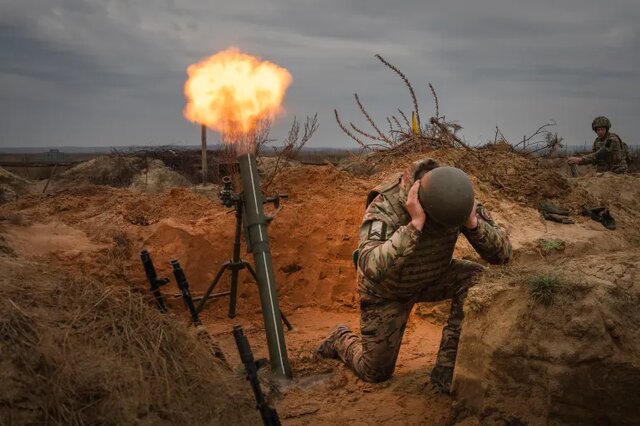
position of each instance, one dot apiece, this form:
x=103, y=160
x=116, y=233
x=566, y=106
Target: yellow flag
x=414, y=124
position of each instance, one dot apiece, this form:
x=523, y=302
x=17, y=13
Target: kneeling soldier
x=609, y=152
x=407, y=238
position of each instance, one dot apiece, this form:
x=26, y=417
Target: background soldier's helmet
x=446, y=195
x=600, y=122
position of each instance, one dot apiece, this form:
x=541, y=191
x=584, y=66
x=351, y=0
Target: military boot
x=441, y=378
x=326, y=348
x=602, y=215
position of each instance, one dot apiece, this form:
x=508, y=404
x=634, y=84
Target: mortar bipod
x=236, y=264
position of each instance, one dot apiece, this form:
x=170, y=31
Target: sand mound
x=268, y=165
x=618, y=191
x=40, y=239
x=575, y=361
x=121, y=171
x=77, y=352
x=13, y=186
x=158, y=178
x=515, y=176
x=111, y=170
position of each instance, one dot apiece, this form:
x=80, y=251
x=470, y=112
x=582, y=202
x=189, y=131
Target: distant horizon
x=73, y=149
x=98, y=149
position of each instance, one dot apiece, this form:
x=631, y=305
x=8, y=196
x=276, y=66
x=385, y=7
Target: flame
x=233, y=92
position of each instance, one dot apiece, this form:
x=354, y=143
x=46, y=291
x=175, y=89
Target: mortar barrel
x=256, y=224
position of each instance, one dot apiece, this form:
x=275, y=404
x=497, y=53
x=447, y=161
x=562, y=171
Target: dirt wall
x=74, y=351
x=575, y=361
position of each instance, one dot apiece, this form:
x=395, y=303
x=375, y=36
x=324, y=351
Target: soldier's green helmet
x=446, y=195
x=601, y=121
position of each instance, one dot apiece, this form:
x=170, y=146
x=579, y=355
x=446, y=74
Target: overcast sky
x=111, y=72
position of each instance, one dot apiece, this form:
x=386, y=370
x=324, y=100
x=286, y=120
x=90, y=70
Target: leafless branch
x=262, y=130
x=347, y=132
x=552, y=143
x=448, y=134
x=499, y=133
x=406, y=120
x=395, y=120
x=368, y=117
x=310, y=127
x=365, y=134
x=435, y=98
x=539, y=131
x=406, y=81
x=292, y=145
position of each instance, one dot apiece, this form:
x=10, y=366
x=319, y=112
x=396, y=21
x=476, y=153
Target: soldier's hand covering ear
x=418, y=216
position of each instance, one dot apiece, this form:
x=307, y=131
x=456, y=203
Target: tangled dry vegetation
x=406, y=134
x=509, y=167
x=74, y=351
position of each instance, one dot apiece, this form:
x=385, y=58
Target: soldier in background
x=407, y=238
x=609, y=153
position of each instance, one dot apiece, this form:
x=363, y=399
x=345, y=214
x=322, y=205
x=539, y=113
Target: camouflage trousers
x=372, y=356
x=617, y=169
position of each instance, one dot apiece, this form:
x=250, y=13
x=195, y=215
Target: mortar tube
x=256, y=224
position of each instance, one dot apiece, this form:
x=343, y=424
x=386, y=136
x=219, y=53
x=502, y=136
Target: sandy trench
x=311, y=241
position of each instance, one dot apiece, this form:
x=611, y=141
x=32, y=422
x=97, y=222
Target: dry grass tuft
x=76, y=352
x=550, y=246
x=544, y=287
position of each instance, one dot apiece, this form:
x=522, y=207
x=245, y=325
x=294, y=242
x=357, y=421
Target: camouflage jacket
x=396, y=261
x=608, y=153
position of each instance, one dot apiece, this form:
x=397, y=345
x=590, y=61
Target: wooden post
x=203, y=139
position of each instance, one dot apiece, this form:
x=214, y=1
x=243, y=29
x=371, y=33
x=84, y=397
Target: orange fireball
x=231, y=92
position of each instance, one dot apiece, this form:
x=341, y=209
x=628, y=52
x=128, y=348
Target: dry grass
x=73, y=351
x=550, y=246
x=490, y=284
x=5, y=248
x=544, y=287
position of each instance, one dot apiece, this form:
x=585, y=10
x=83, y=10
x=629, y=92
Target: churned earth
x=98, y=231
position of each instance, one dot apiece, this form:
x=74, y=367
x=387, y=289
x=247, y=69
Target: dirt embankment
x=575, y=360
x=13, y=186
x=140, y=174
x=137, y=173
x=97, y=232
x=75, y=351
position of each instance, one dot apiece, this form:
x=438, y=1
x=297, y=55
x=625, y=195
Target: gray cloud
x=25, y=55
x=111, y=71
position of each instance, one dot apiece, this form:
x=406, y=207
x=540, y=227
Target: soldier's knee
x=375, y=376
x=475, y=270
x=376, y=373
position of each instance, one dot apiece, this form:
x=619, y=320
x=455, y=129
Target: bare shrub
x=404, y=134
x=292, y=145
